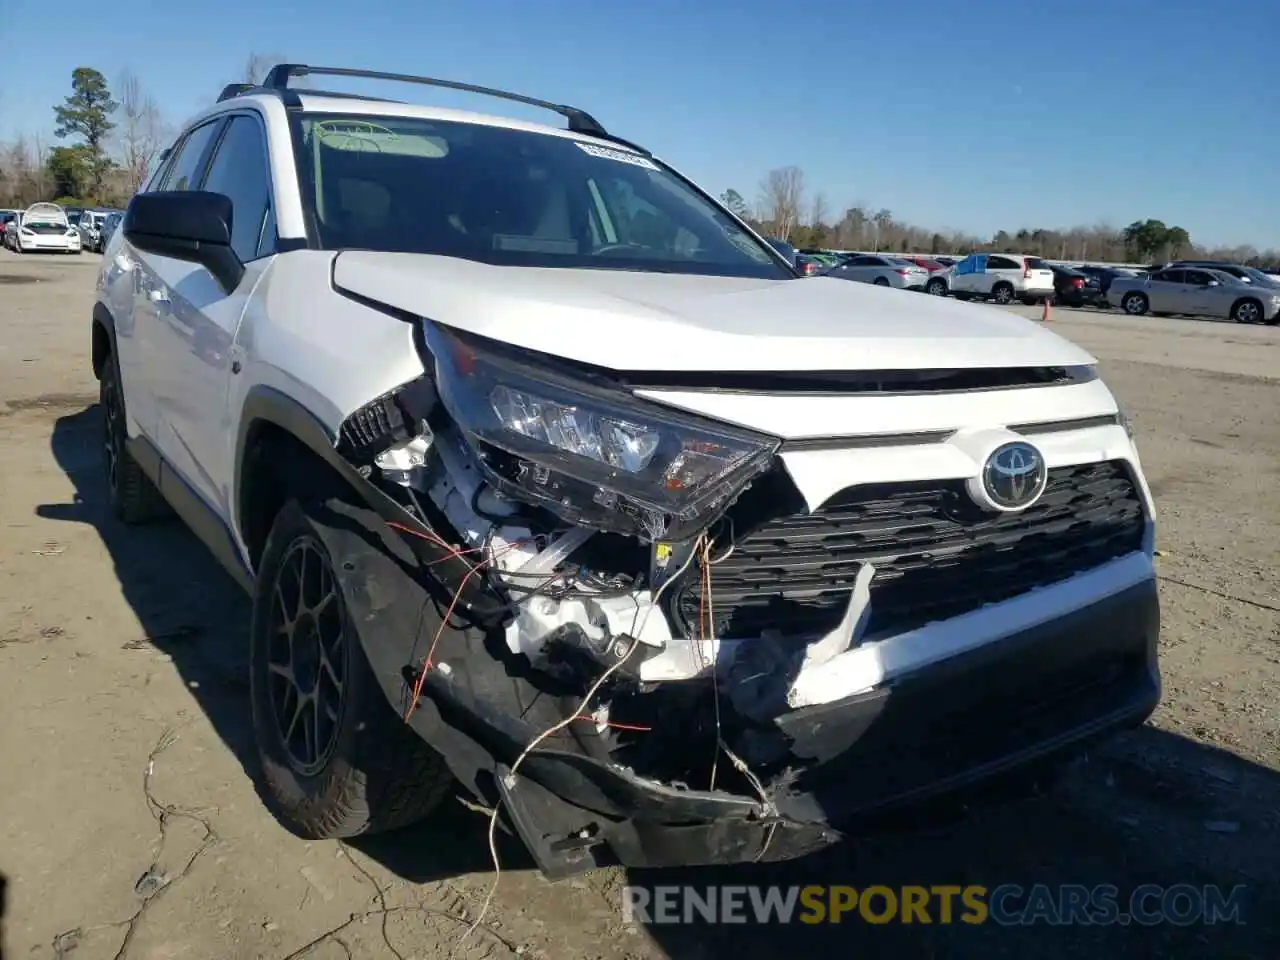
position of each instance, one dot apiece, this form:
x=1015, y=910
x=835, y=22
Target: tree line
x=787, y=209
x=106, y=137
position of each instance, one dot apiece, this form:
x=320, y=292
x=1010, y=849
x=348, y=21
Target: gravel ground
x=130, y=825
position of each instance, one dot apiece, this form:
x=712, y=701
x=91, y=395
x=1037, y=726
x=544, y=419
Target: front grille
x=936, y=554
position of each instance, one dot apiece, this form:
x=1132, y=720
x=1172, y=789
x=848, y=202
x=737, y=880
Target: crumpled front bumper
x=1027, y=698
x=1003, y=705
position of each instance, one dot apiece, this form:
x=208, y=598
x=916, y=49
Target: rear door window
x=184, y=173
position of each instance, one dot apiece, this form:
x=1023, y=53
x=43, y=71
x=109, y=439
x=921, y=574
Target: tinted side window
x=184, y=172
x=1199, y=277
x=1170, y=276
x=239, y=171
x=1001, y=263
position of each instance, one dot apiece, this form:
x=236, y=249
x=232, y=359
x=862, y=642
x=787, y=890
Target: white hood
x=663, y=322
x=45, y=213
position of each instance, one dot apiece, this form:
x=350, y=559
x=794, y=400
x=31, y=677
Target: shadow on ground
x=1151, y=807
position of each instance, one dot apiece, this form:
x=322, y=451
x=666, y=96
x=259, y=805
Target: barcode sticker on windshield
x=622, y=156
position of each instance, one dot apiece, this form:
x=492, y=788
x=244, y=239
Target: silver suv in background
x=883, y=271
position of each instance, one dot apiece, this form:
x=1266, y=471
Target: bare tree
x=818, y=211
x=782, y=199
x=142, y=131
x=40, y=168
x=883, y=220
x=257, y=65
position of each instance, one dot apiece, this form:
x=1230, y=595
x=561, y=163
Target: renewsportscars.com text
x=1007, y=904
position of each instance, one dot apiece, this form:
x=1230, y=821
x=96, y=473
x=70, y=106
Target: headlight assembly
x=587, y=450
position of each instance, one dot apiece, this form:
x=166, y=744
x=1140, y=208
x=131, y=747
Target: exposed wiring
x=578, y=714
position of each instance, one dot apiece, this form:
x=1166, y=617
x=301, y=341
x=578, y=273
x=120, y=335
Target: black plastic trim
x=1062, y=426
x=912, y=439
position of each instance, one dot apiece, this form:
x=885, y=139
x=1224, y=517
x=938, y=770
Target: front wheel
x=1247, y=311
x=1135, y=304
x=336, y=759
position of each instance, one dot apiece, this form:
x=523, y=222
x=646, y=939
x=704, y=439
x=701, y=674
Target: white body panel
x=652, y=322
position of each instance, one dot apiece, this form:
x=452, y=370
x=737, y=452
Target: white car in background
x=1002, y=277
x=42, y=227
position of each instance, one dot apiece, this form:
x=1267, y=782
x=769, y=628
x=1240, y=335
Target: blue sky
x=975, y=116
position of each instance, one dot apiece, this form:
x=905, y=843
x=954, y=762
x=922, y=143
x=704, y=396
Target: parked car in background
x=1074, y=288
x=808, y=266
x=1238, y=270
x=1104, y=276
x=826, y=257
x=90, y=226
x=5, y=217
x=1198, y=292
x=109, y=226
x=933, y=266
x=882, y=271
x=1002, y=277
x=42, y=227
x=947, y=261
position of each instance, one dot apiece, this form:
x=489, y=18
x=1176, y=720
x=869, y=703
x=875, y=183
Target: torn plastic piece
x=601, y=619
x=851, y=626
x=763, y=674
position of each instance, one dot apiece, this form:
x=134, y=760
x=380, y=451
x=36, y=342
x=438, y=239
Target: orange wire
x=457, y=594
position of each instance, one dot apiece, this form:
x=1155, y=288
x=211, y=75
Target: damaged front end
x=541, y=609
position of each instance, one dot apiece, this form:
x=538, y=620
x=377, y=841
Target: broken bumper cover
x=1030, y=697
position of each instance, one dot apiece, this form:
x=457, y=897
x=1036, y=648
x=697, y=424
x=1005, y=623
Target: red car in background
x=933, y=266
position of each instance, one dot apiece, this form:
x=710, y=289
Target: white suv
x=1002, y=277
x=546, y=473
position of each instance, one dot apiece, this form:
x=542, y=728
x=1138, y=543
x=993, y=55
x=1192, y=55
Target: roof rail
x=579, y=120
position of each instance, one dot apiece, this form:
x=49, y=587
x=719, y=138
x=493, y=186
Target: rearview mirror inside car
x=190, y=225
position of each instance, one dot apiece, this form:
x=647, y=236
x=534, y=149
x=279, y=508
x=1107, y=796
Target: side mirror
x=190, y=225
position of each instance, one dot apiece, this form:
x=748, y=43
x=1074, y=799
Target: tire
x=132, y=495
x=364, y=770
x=1028, y=301
x=1247, y=310
x=1135, y=304
x=936, y=288
x=1002, y=293
x=880, y=282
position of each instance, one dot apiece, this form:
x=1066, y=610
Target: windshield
x=513, y=198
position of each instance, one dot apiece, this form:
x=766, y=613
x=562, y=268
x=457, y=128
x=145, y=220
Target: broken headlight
x=587, y=450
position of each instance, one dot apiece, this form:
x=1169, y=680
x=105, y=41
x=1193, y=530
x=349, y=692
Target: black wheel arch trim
x=264, y=404
x=102, y=317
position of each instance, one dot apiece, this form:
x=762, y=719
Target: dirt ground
x=130, y=825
